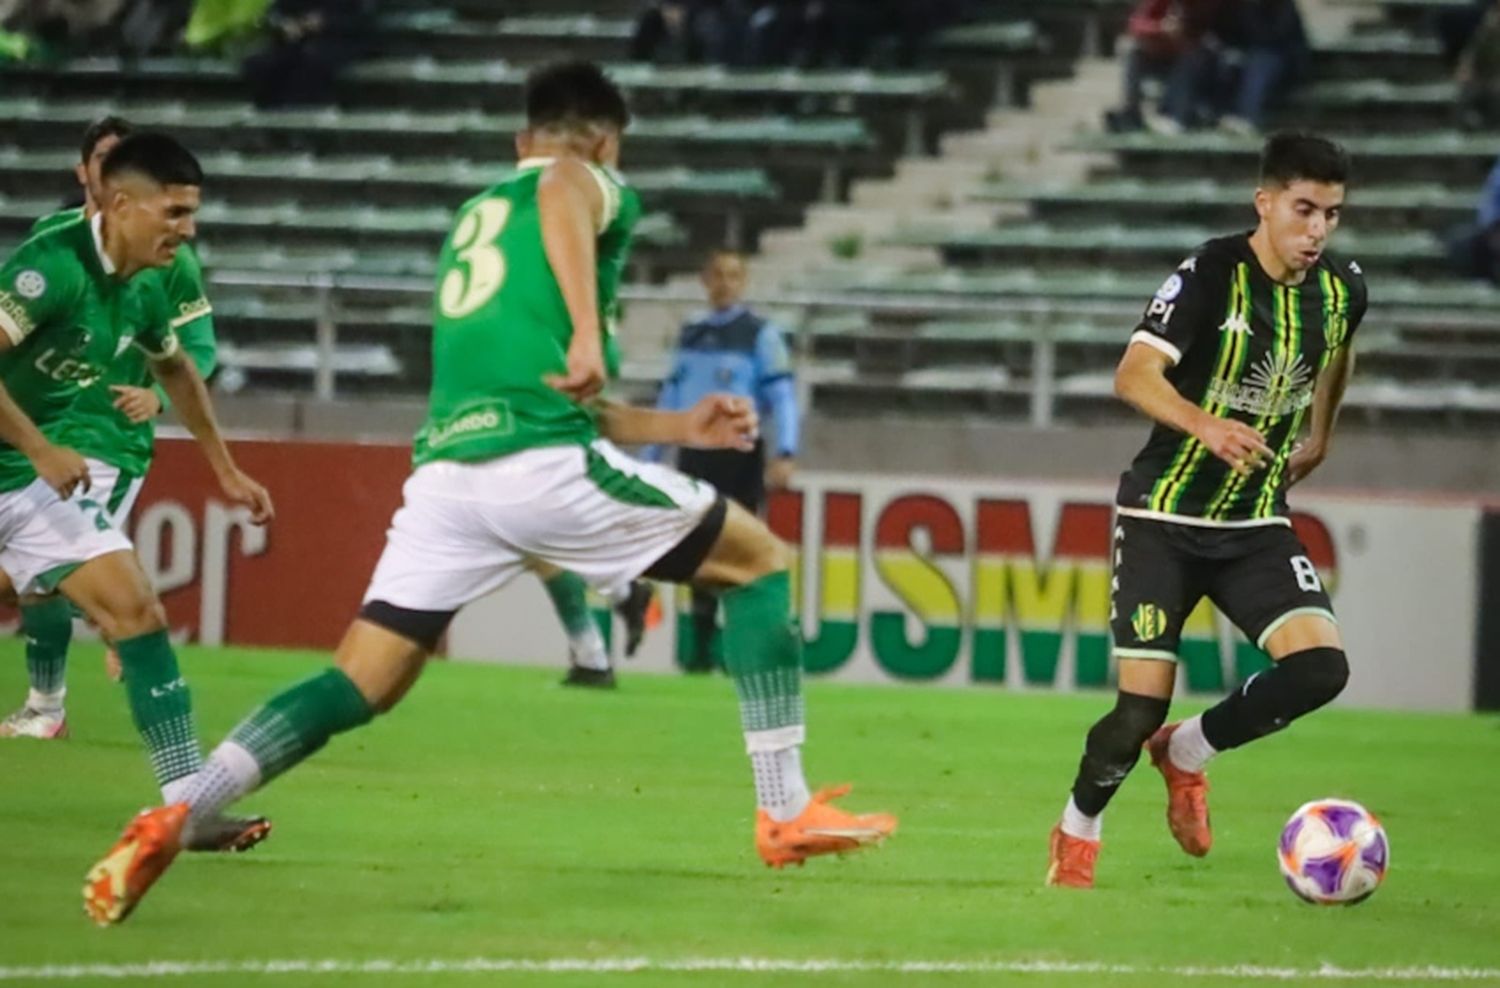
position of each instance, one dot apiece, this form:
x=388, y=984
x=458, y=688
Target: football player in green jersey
x=514, y=463
x=73, y=299
x=1249, y=341
x=111, y=424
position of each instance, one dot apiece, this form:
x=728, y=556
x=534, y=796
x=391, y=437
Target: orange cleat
x=1187, y=796
x=822, y=828
x=116, y=884
x=1070, y=860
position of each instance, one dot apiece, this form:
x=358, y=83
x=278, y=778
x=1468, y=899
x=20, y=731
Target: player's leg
x=1274, y=594
x=124, y=491
x=763, y=655
x=439, y=555
x=47, y=625
x=1155, y=587
x=588, y=659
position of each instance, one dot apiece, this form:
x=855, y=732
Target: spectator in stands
x=731, y=349
x=692, y=31
x=1171, y=40
x=309, y=42
x=1478, y=73
x=1265, y=49
x=1474, y=248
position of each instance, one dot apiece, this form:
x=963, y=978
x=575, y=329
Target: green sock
x=298, y=721
x=160, y=704
x=48, y=627
x=763, y=653
x=570, y=599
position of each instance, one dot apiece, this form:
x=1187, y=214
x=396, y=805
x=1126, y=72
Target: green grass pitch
x=498, y=816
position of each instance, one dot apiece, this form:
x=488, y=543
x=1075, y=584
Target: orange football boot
x=821, y=828
x=1070, y=860
x=116, y=884
x=1187, y=796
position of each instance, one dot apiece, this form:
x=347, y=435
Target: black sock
x=1268, y=701
x=1113, y=747
x=705, y=626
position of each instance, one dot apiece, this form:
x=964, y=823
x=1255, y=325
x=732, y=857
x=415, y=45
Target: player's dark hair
x=156, y=156
x=574, y=94
x=1292, y=156
x=97, y=131
x=719, y=253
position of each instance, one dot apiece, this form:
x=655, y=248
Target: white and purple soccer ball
x=1333, y=852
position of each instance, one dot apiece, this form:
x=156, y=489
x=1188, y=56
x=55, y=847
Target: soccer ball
x=1333, y=852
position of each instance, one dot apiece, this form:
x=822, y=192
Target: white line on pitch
x=746, y=965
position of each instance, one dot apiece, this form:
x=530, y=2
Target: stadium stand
x=1008, y=297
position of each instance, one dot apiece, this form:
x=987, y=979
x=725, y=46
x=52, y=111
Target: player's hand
x=779, y=473
x=242, y=489
x=585, y=376
x=721, y=421
x=1236, y=443
x=136, y=404
x=1305, y=458
x=62, y=469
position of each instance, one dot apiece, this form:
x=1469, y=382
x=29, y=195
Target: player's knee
x=128, y=618
x=1319, y=674
x=1126, y=727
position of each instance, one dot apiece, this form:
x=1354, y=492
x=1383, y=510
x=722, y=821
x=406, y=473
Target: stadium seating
x=330, y=217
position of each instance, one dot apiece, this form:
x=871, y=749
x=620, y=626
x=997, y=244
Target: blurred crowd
x=1471, y=43
x=292, y=51
x=1216, y=63
x=803, y=33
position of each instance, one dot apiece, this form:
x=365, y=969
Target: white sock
x=1189, y=749
x=46, y=703
x=1076, y=823
x=229, y=773
x=776, y=758
x=177, y=790
x=587, y=650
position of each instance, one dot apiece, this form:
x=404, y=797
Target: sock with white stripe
x=160, y=704
x=763, y=653
x=569, y=594
x=290, y=727
x=48, y=627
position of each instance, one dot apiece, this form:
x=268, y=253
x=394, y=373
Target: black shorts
x=738, y=476
x=1258, y=577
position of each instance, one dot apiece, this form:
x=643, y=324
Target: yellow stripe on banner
x=840, y=598
x=990, y=591
x=918, y=582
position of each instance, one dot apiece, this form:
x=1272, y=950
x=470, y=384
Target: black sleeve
x=1190, y=303
x=1359, y=295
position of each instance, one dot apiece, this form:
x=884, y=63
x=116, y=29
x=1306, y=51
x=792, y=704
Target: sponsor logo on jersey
x=188, y=311
x=30, y=284
x=1279, y=384
x=1149, y=622
x=1189, y=265
x=494, y=418
x=16, y=312
x=1170, y=289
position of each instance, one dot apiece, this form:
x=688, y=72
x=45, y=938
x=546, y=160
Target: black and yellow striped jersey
x=1244, y=347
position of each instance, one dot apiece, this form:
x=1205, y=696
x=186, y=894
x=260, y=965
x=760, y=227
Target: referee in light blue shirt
x=731, y=349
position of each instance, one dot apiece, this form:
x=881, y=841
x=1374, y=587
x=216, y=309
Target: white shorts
x=44, y=538
x=115, y=491
x=465, y=529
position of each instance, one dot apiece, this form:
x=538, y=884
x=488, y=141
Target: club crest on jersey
x=30, y=284
x=1149, y=622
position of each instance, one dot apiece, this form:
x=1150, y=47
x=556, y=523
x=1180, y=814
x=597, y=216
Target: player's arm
x=177, y=374
x=572, y=209
x=1328, y=396
x=198, y=342
x=718, y=421
x=34, y=295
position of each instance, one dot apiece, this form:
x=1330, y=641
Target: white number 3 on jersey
x=480, y=268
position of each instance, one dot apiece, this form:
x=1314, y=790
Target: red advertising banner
x=299, y=580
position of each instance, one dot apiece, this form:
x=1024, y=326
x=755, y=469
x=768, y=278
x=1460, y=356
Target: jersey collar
x=97, y=226
x=526, y=164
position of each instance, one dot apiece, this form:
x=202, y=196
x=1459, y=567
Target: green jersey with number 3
x=68, y=318
x=500, y=325
x=94, y=426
